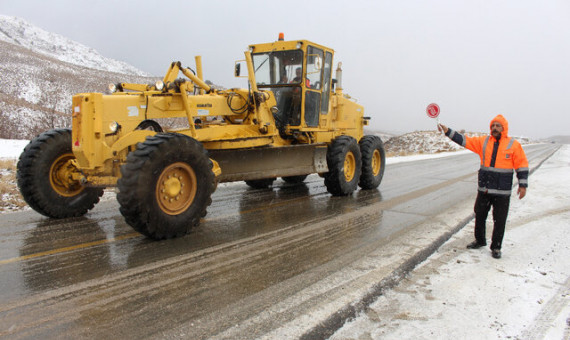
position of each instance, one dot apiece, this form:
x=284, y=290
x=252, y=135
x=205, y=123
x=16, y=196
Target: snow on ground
x=12, y=148
x=466, y=294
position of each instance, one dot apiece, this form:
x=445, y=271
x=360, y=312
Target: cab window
x=278, y=68
x=314, y=67
x=326, y=84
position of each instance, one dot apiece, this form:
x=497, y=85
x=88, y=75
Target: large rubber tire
x=260, y=183
x=373, y=162
x=44, y=177
x=344, y=162
x=295, y=179
x=166, y=186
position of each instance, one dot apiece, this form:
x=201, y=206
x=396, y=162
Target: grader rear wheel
x=60, y=176
x=45, y=170
x=373, y=162
x=349, y=168
x=344, y=162
x=166, y=185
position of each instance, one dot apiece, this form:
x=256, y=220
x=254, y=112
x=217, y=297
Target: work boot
x=475, y=245
x=496, y=253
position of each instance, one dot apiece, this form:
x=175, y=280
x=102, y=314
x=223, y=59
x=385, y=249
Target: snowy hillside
x=36, y=90
x=19, y=32
x=41, y=71
x=426, y=142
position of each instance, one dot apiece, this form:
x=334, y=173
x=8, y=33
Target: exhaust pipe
x=339, y=77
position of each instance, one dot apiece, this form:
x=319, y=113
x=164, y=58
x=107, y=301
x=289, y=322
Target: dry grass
x=11, y=198
x=8, y=164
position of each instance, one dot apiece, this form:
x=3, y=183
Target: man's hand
x=442, y=128
x=521, y=192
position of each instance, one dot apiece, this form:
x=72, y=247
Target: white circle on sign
x=432, y=110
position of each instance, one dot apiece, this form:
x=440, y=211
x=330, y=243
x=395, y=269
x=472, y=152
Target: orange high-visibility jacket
x=497, y=166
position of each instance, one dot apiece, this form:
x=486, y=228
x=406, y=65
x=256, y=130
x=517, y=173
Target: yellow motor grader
x=291, y=121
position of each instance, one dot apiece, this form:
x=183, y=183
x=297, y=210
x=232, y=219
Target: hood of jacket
x=504, y=123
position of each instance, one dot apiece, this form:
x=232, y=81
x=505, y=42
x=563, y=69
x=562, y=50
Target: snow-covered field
x=467, y=294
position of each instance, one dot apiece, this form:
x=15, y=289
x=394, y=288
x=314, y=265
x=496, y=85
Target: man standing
x=501, y=156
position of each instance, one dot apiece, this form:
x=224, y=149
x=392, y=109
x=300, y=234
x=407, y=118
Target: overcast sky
x=476, y=59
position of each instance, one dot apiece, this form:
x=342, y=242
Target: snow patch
x=30, y=92
x=12, y=148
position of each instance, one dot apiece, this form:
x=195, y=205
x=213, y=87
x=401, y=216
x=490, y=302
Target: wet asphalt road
x=95, y=277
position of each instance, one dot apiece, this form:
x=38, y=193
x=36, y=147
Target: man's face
x=496, y=129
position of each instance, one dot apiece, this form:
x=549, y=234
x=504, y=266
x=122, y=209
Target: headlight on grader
x=159, y=85
x=114, y=127
x=274, y=109
x=112, y=88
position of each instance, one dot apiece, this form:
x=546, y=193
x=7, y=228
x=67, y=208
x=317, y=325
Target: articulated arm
x=176, y=67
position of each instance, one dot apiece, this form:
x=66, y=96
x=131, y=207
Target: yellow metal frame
x=99, y=150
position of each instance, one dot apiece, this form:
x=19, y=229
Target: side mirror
x=237, y=69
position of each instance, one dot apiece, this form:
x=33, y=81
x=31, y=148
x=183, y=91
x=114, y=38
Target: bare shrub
x=8, y=127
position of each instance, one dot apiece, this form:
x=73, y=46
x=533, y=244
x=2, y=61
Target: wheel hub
x=173, y=186
x=376, y=162
x=61, y=176
x=349, y=166
x=176, y=188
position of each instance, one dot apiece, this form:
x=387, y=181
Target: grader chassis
x=289, y=123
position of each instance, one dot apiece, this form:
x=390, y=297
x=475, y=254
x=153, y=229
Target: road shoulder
x=460, y=293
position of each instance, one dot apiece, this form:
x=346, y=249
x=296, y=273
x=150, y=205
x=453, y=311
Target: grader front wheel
x=45, y=180
x=166, y=185
x=176, y=188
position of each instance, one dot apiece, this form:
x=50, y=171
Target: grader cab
x=292, y=120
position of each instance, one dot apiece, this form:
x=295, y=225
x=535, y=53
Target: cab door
x=313, y=85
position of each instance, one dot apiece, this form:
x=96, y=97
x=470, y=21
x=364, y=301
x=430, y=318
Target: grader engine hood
x=100, y=125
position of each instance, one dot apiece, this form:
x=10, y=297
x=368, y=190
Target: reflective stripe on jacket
x=496, y=173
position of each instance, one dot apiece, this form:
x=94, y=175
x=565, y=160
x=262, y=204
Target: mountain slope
x=19, y=32
x=36, y=90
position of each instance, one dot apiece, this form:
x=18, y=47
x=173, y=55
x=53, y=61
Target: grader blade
x=258, y=163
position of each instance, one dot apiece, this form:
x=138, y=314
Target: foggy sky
x=476, y=59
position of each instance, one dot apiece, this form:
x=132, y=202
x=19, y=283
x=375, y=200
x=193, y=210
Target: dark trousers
x=500, y=204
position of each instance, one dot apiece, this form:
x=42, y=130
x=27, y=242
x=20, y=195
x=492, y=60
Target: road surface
x=260, y=261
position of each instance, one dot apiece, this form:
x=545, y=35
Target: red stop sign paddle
x=432, y=110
